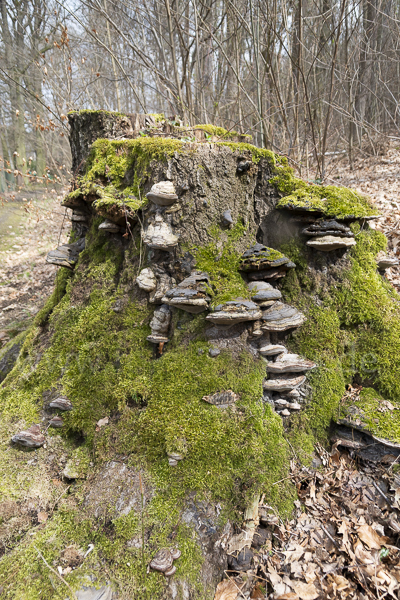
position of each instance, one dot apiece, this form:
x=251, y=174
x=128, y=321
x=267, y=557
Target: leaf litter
x=343, y=540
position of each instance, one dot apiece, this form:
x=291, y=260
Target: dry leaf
x=362, y=555
x=289, y=596
x=305, y=591
x=226, y=590
x=310, y=575
x=42, y=517
x=312, y=491
x=341, y=582
x=257, y=593
x=239, y=541
x=296, y=569
x=343, y=529
x=394, y=523
x=293, y=555
x=273, y=576
x=369, y=536
x=276, y=581
x=101, y=423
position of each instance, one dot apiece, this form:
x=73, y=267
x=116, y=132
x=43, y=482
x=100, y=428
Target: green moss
x=109, y=196
x=74, y=195
x=256, y=153
x=158, y=117
x=85, y=111
x=228, y=454
x=329, y=200
x=24, y=575
x=77, y=466
x=101, y=360
x=374, y=413
x=221, y=261
x=220, y=132
x=62, y=278
x=353, y=332
x=270, y=255
x=238, y=231
x=123, y=166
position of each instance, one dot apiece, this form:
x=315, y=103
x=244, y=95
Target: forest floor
x=31, y=224
x=343, y=542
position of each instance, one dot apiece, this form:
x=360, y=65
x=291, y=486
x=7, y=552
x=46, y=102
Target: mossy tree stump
x=143, y=462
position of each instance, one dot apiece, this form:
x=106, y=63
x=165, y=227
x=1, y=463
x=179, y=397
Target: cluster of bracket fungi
x=260, y=266
x=33, y=437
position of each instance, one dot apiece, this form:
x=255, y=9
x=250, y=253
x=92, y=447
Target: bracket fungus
x=190, y=295
x=330, y=242
x=163, y=561
x=235, y=311
x=384, y=261
x=283, y=383
x=222, y=399
x=281, y=317
x=324, y=228
x=188, y=300
x=109, y=226
x=79, y=217
x=159, y=234
x=146, y=280
x=163, y=284
x=174, y=458
x=56, y=421
x=226, y=219
x=290, y=363
x=160, y=325
x=260, y=257
x=163, y=193
x=31, y=438
x=62, y=403
x=271, y=349
x=66, y=255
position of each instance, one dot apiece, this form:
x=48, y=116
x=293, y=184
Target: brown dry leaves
x=341, y=544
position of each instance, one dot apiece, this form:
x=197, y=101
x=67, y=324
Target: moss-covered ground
x=112, y=163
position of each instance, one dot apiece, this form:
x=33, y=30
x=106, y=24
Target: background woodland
x=312, y=79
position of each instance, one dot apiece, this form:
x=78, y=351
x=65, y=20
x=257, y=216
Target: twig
x=394, y=462
x=56, y=573
x=329, y=535
x=378, y=489
x=226, y=572
x=59, y=498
